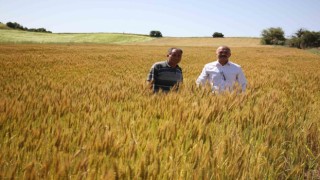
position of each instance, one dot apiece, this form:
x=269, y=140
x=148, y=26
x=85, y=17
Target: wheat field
x=202, y=42
x=85, y=112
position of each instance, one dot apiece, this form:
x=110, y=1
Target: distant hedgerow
x=15, y=25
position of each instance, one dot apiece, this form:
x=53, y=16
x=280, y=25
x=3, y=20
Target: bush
x=217, y=35
x=273, y=36
x=305, y=39
x=43, y=30
x=155, y=34
x=14, y=25
x=18, y=26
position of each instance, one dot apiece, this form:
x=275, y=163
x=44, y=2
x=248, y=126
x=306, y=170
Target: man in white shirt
x=222, y=74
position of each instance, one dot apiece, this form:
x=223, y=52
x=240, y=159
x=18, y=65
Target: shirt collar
x=217, y=63
x=171, y=66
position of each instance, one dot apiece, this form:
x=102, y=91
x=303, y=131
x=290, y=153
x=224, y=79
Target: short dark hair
x=171, y=49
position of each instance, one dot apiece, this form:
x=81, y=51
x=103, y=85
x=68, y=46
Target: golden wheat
x=84, y=111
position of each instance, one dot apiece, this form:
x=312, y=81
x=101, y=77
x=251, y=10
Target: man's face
x=175, y=56
x=223, y=53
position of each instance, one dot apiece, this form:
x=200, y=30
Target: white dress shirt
x=221, y=77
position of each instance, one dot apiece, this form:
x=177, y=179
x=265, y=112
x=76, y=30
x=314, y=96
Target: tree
x=155, y=33
x=305, y=39
x=294, y=42
x=310, y=39
x=217, y=35
x=273, y=36
x=14, y=25
x=300, y=32
x=18, y=26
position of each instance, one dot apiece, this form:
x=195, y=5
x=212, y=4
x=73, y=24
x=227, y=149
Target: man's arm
x=150, y=84
x=151, y=76
x=202, y=77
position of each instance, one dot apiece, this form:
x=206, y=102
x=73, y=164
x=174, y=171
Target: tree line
x=15, y=25
x=302, y=39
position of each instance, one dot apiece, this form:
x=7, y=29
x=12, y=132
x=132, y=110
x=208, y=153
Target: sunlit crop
x=84, y=111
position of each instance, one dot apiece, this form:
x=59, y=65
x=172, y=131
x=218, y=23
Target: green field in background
x=18, y=36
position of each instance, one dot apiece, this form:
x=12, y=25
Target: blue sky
x=175, y=18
